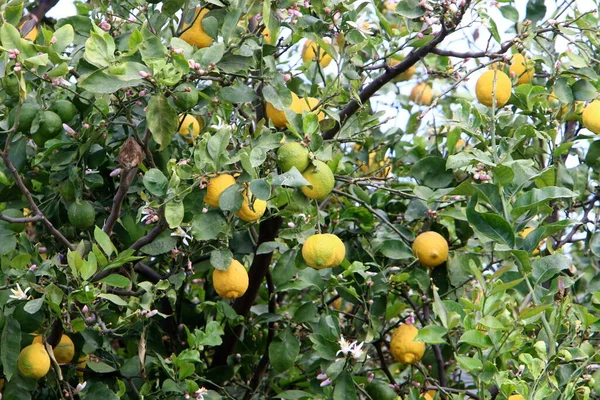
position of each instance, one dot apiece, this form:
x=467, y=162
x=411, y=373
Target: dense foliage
x=106, y=237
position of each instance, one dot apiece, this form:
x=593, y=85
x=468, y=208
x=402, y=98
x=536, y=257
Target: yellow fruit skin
x=402, y=346
x=64, y=350
x=309, y=52
x=82, y=363
x=322, y=180
x=591, y=116
x=429, y=395
x=431, y=249
x=195, y=35
x=278, y=117
x=406, y=75
x=421, y=94
x=231, y=283
x=37, y=339
x=185, y=120
x=519, y=65
x=216, y=186
x=375, y=165
x=323, y=250
x=252, y=214
x=516, y=397
x=34, y=361
x=483, y=88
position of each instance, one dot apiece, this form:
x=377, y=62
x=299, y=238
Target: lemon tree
x=299, y=200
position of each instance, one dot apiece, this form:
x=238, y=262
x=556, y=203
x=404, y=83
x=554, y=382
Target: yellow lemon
x=459, y=144
x=429, y=395
x=323, y=250
x=485, y=85
x=406, y=75
x=377, y=166
x=522, y=69
x=189, y=127
x=28, y=28
x=216, y=186
x=251, y=212
x=516, y=397
x=309, y=52
x=309, y=104
x=292, y=154
x=194, y=34
x=403, y=347
x=81, y=363
x=231, y=283
x=38, y=339
x=64, y=350
x=591, y=116
x=321, y=178
x=431, y=249
x=270, y=39
x=278, y=116
x=34, y=361
x=421, y=94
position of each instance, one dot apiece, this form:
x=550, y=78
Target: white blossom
x=19, y=294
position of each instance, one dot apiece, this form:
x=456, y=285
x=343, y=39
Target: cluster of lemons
x=34, y=361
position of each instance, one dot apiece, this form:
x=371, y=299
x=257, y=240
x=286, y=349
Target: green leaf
x=88, y=267
x=293, y=395
x=344, y=388
x=174, y=211
x=595, y=244
x=431, y=172
x=163, y=244
x=117, y=280
x=10, y=346
x=510, y=13
x=156, y=182
x=11, y=39
x=8, y=241
x=432, y=334
x=162, y=120
x=217, y=144
x=592, y=157
x=231, y=199
x=547, y=267
x=292, y=178
x=100, y=367
x=212, y=335
x=100, y=48
x=64, y=37
x=470, y=364
x=310, y=124
x=280, y=100
x=489, y=224
x=237, y=94
x=536, y=197
x=283, y=350
x=503, y=175
x=105, y=81
x=113, y=298
x=260, y=189
x=33, y=306
x=207, y=226
x=395, y=250
x=491, y=322
x=563, y=91
x=410, y=9
x=583, y=90
x=221, y=259
x=536, y=10
x=104, y=241
x=476, y=338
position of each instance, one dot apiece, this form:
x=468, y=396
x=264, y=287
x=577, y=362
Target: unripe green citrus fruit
x=50, y=126
x=292, y=154
x=64, y=109
x=321, y=178
x=81, y=214
x=185, y=96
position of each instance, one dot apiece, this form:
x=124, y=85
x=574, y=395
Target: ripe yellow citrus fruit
x=459, y=143
x=421, y=94
x=591, y=116
x=406, y=75
x=194, y=34
x=429, y=395
x=64, y=350
x=431, y=249
x=278, y=116
x=309, y=104
x=292, y=154
x=27, y=31
x=81, y=363
x=321, y=178
x=485, y=86
x=38, y=339
x=270, y=39
x=516, y=397
x=251, y=212
x=377, y=166
x=189, y=127
x=310, y=49
x=522, y=69
x=403, y=347
x=34, y=361
x=216, y=186
x=231, y=283
x=323, y=250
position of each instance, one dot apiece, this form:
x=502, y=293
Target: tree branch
x=150, y=236
x=126, y=179
x=32, y=204
x=20, y=220
x=269, y=228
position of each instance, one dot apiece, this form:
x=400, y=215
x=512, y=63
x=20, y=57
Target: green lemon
x=65, y=110
x=81, y=214
x=185, y=96
x=10, y=83
x=50, y=126
x=28, y=113
x=67, y=190
x=292, y=154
